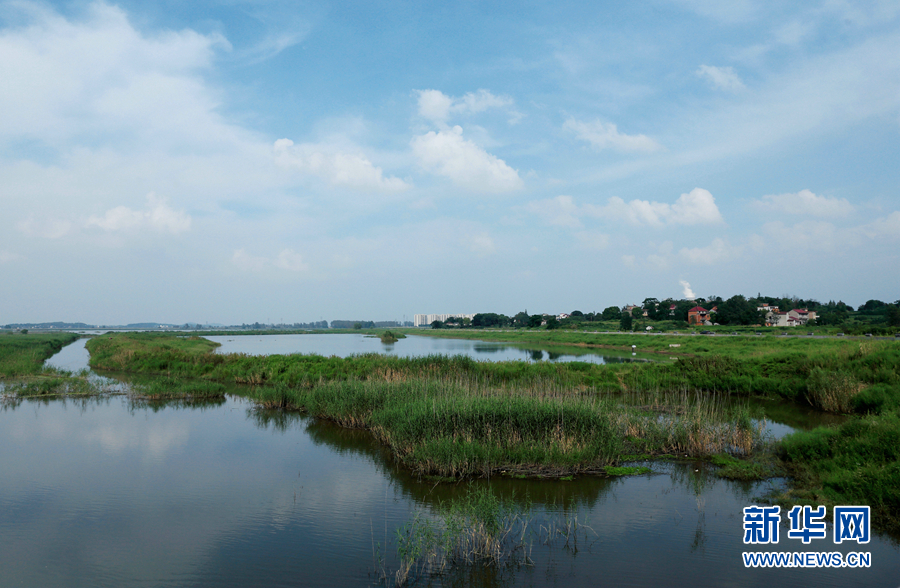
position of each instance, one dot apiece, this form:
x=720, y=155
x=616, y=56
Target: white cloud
x=606, y=136
x=337, y=167
x=696, y=207
x=100, y=75
x=287, y=259
x=628, y=260
x=805, y=203
x=48, y=228
x=888, y=226
x=8, y=256
x=158, y=216
x=448, y=154
x=716, y=252
x=816, y=236
x=686, y=291
x=722, y=78
x=480, y=244
x=592, y=240
x=560, y=211
x=437, y=106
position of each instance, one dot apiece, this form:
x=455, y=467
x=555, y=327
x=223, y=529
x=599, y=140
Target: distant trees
x=626, y=322
x=737, y=310
x=520, y=320
x=611, y=313
x=490, y=319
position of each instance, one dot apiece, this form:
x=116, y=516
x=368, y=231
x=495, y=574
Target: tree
x=681, y=309
x=357, y=325
x=651, y=305
x=625, y=322
x=893, y=314
x=437, y=325
x=552, y=323
x=611, y=313
x=576, y=313
x=535, y=320
x=737, y=310
x=520, y=320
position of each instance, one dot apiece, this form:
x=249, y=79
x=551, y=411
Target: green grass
x=22, y=366
x=627, y=470
x=759, y=467
x=167, y=388
x=23, y=355
x=857, y=462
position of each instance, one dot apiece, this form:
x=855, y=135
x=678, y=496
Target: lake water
x=113, y=492
x=343, y=345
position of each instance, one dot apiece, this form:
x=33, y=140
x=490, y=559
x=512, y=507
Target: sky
x=281, y=161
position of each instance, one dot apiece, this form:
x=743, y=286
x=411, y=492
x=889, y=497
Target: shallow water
x=110, y=492
x=343, y=345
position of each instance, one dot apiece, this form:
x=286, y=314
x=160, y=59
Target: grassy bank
x=838, y=376
x=22, y=370
x=24, y=355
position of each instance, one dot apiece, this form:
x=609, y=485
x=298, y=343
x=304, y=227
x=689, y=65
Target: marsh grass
x=832, y=391
x=857, y=462
x=457, y=427
x=22, y=355
x=167, y=388
x=479, y=528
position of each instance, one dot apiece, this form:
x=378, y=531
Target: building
x=423, y=320
x=698, y=316
x=793, y=318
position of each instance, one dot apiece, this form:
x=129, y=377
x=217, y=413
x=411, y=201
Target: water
x=343, y=345
x=110, y=492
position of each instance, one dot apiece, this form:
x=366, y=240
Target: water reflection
x=343, y=345
x=130, y=493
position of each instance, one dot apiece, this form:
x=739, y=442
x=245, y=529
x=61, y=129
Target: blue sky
x=282, y=161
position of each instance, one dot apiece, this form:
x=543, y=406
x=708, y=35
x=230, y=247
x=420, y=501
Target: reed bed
x=458, y=427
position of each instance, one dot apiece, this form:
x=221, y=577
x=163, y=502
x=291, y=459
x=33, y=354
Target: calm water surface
x=112, y=492
x=343, y=345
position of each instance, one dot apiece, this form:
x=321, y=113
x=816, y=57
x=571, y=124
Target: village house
x=793, y=318
x=698, y=316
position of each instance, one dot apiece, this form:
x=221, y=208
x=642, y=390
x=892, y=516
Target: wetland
x=293, y=469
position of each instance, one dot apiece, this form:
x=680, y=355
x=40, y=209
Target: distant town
x=760, y=311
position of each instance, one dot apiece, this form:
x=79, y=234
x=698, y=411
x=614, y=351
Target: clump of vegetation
x=165, y=388
x=757, y=468
x=832, y=391
x=854, y=463
x=478, y=528
x=391, y=337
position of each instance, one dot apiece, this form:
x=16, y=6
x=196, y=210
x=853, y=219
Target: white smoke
x=687, y=292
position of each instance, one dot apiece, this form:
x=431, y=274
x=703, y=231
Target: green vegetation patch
x=854, y=463
x=22, y=355
x=756, y=468
x=627, y=471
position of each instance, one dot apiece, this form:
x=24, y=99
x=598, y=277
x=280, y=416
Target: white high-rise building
x=426, y=319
